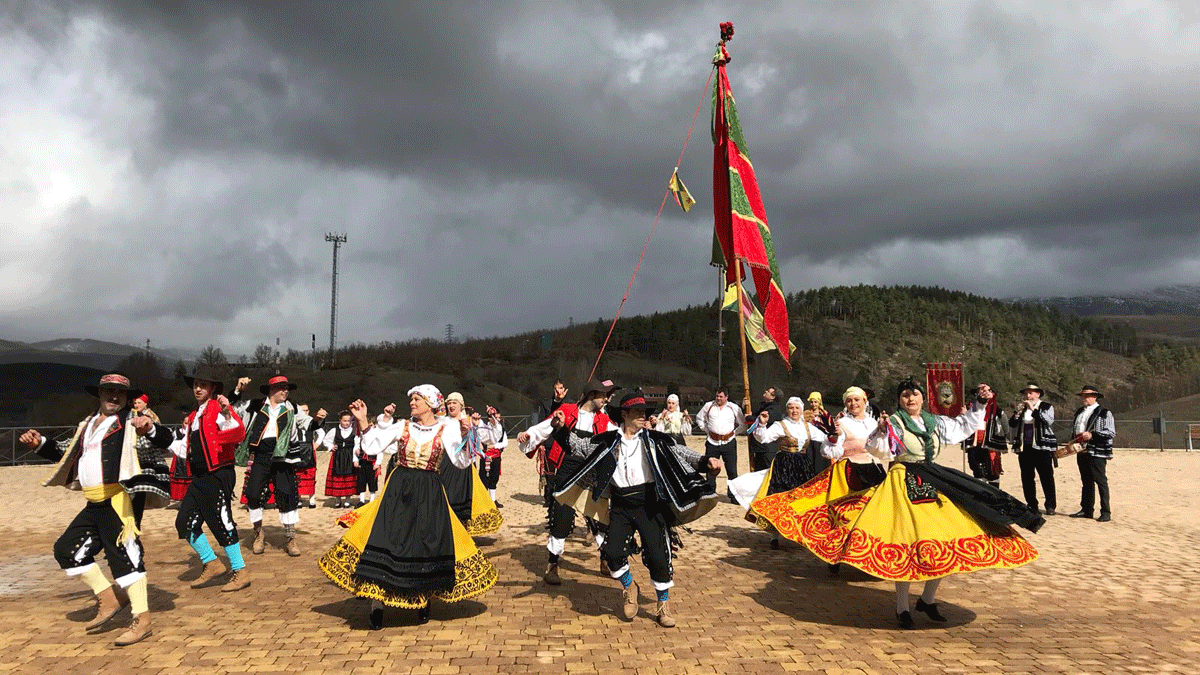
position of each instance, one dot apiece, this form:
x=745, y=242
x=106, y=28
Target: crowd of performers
x=861, y=488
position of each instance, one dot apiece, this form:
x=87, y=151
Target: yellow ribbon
x=121, y=503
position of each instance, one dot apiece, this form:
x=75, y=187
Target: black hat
x=634, y=400
x=1089, y=390
x=278, y=379
x=113, y=381
x=603, y=386
x=205, y=373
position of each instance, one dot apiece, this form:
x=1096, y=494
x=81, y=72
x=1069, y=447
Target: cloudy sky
x=170, y=173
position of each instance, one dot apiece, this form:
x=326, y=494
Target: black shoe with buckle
x=931, y=610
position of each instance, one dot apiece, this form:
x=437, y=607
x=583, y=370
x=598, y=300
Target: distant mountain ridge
x=85, y=352
x=1175, y=299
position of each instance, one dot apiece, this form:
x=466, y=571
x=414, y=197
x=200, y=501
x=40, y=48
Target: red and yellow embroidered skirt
x=900, y=530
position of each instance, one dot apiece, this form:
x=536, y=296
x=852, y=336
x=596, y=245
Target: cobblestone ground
x=1108, y=598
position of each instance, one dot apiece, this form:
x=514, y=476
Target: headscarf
x=854, y=391
x=673, y=397
x=455, y=396
x=428, y=392
x=908, y=384
x=817, y=396
x=796, y=400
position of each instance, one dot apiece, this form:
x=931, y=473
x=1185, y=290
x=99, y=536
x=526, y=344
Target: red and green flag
x=741, y=233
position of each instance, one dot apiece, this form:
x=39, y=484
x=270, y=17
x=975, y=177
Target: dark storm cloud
x=483, y=155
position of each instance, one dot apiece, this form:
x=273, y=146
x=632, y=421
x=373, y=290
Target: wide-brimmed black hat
x=1089, y=390
x=205, y=373
x=634, y=400
x=113, y=381
x=1033, y=387
x=278, y=379
x=603, y=386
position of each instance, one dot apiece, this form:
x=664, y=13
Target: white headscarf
x=854, y=391
x=428, y=392
x=673, y=397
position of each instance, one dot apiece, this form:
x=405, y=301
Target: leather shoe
x=551, y=576
x=1080, y=514
x=107, y=606
x=931, y=610
x=775, y=543
x=1049, y=512
x=904, y=619
x=376, y=618
x=629, y=597
x=138, y=630
x=1104, y=518
x=211, y=570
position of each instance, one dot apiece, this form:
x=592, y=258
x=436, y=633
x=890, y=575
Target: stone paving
x=1120, y=597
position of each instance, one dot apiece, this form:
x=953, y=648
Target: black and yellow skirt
x=903, y=529
x=407, y=547
x=469, y=499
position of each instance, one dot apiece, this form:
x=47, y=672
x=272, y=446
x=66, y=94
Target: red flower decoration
x=726, y=30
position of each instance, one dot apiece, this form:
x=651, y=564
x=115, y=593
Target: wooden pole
x=737, y=269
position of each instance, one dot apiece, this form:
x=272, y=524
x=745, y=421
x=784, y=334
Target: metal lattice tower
x=338, y=240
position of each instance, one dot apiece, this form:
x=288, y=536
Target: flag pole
x=737, y=270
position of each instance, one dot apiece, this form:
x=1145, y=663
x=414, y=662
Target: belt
x=721, y=437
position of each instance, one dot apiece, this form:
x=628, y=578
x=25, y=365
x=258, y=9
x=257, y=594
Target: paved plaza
x=1121, y=597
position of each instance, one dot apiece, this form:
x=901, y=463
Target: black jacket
x=110, y=448
x=775, y=412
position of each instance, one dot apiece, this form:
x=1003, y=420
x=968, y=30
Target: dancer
x=366, y=465
x=790, y=468
x=154, y=482
x=303, y=452
x=985, y=446
x=468, y=497
x=407, y=546
x=270, y=422
x=495, y=439
x=341, y=479
x=638, y=480
x=98, y=460
x=213, y=433
x=572, y=427
x=925, y=521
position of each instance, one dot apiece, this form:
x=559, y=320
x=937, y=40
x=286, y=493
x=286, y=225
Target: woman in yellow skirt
x=924, y=522
x=407, y=546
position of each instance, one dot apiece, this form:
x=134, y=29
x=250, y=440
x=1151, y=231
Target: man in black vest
x=1095, y=428
x=1032, y=425
x=99, y=460
x=761, y=454
x=270, y=422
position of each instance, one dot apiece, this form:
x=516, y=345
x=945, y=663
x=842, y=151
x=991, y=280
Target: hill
x=43, y=393
x=82, y=352
x=1134, y=429
x=861, y=335
x=1183, y=299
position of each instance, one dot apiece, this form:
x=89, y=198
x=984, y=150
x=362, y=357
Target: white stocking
x=901, y=597
x=930, y=593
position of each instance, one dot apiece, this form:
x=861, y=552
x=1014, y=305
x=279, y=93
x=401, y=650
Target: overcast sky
x=170, y=173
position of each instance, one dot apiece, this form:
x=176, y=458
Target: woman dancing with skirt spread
x=924, y=522
x=407, y=546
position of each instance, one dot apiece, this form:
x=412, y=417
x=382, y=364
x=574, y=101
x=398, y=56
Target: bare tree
x=212, y=356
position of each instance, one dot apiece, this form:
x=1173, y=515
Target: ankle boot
x=211, y=570
x=293, y=549
x=237, y=581
x=629, y=597
x=663, y=615
x=551, y=576
x=107, y=606
x=138, y=630
x=260, y=538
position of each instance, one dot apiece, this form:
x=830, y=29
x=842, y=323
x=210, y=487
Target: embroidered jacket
x=114, y=465
x=1043, y=428
x=209, y=447
x=1103, y=426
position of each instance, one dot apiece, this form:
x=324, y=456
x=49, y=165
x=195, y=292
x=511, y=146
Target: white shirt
x=774, y=432
x=179, y=447
x=90, y=468
x=633, y=466
x=272, y=428
x=1082, y=418
x=330, y=439
x=720, y=420
x=954, y=429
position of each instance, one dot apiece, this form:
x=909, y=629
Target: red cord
x=653, y=225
